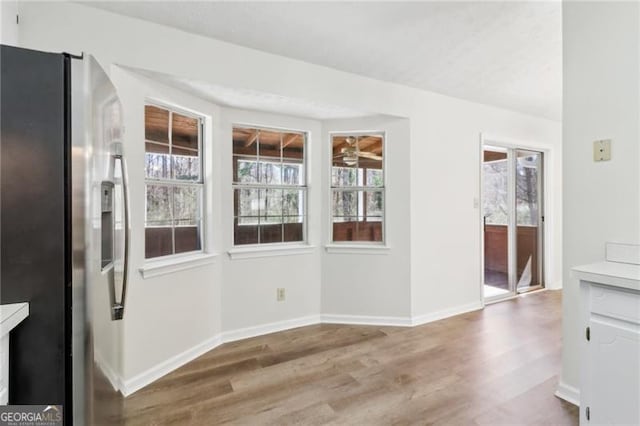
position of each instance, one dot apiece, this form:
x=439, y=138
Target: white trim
x=273, y=327
x=113, y=378
x=569, y=393
x=265, y=250
x=357, y=249
x=154, y=268
x=366, y=320
x=446, y=313
x=165, y=367
x=127, y=387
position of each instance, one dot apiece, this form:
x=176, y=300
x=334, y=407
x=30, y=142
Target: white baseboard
x=445, y=313
x=366, y=320
x=108, y=371
x=154, y=373
x=555, y=286
x=273, y=327
x=127, y=387
x=568, y=393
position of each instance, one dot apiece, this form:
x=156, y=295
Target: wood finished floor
x=490, y=367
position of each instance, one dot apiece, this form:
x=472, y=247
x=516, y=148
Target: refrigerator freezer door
x=97, y=131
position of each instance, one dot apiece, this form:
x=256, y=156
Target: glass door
x=496, y=215
x=529, y=219
x=512, y=221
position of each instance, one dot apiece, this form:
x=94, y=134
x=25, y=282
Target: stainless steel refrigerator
x=64, y=232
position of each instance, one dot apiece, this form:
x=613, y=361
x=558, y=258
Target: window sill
x=357, y=249
x=257, y=251
x=154, y=268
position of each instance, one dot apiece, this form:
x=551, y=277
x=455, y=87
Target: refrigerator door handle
x=117, y=308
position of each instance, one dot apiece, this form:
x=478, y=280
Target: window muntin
x=357, y=188
x=269, y=184
x=174, y=182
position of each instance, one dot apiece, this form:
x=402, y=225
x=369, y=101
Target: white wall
x=434, y=270
x=8, y=25
x=249, y=291
x=167, y=314
x=601, y=101
x=445, y=226
x=376, y=283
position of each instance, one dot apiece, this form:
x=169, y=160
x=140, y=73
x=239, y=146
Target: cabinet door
x=614, y=361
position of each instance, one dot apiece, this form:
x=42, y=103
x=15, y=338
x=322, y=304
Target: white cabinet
x=10, y=316
x=610, y=355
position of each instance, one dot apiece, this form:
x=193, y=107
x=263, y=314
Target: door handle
x=117, y=305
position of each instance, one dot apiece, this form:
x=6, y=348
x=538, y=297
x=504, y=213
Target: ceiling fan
x=351, y=152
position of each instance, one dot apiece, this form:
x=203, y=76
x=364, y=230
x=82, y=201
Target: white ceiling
x=251, y=99
x=507, y=54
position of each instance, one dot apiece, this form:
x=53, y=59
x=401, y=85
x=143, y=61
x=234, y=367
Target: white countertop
x=11, y=315
x=624, y=275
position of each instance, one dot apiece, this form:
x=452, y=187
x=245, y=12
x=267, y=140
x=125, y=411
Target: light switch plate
x=602, y=150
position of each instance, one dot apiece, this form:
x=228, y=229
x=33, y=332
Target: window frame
x=357, y=245
x=258, y=186
x=173, y=183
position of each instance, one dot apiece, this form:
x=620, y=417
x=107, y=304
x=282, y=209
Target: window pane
x=186, y=206
x=270, y=173
x=271, y=205
x=293, y=229
x=247, y=203
x=158, y=241
x=158, y=206
x=374, y=204
x=188, y=238
x=269, y=145
x=527, y=166
x=157, y=166
x=345, y=161
x=292, y=202
x=345, y=230
x=293, y=157
x=271, y=232
x=245, y=231
x=186, y=168
x=157, y=147
x=370, y=158
x=185, y=133
x=368, y=231
x=495, y=190
x=156, y=124
x=158, y=222
x=246, y=170
x=344, y=176
x=293, y=174
x=245, y=150
x=345, y=205
x=245, y=141
x=374, y=177
x=187, y=218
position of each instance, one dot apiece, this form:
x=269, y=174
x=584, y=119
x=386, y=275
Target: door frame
x=487, y=139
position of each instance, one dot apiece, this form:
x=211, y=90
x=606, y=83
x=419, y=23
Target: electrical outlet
x=280, y=294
